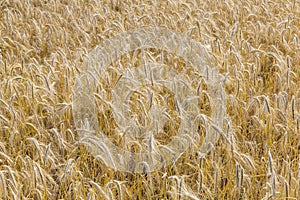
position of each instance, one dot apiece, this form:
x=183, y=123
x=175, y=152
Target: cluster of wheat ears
x=255, y=46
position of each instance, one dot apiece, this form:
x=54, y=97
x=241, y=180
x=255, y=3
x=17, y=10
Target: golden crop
x=255, y=46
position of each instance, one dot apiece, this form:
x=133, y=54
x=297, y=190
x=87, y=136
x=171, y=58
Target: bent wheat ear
x=99, y=190
x=3, y=185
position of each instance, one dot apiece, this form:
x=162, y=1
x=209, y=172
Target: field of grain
x=254, y=45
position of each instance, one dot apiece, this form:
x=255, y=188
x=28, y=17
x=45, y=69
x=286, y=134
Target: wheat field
x=255, y=46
